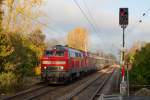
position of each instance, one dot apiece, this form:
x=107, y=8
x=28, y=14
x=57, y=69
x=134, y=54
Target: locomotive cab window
x=48, y=53
x=54, y=53
x=59, y=53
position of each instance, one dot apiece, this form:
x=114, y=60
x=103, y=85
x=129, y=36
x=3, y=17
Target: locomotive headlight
x=61, y=67
x=45, y=67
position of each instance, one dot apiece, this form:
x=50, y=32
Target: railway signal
x=123, y=22
x=123, y=16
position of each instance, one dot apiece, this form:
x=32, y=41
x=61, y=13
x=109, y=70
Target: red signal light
x=122, y=12
x=123, y=16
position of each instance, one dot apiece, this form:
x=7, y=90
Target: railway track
x=32, y=93
x=79, y=90
x=62, y=91
x=46, y=92
x=99, y=90
x=40, y=90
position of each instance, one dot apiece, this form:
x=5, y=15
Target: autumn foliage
x=140, y=73
x=78, y=39
x=21, y=42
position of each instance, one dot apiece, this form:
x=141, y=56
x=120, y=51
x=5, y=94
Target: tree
x=37, y=44
x=5, y=51
x=37, y=38
x=53, y=42
x=140, y=72
x=78, y=39
x=18, y=51
x=23, y=57
x=5, y=47
x=7, y=78
x=130, y=55
x=20, y=15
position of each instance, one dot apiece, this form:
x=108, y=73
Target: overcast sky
x=62, y=16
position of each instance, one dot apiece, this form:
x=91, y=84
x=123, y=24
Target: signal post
x=123, y=22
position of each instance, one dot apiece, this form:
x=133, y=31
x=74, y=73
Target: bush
x=8, y=82
x=140, y=73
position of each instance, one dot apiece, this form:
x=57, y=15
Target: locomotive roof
x=60, y=47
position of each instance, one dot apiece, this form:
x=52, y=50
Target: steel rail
x=81, y=88
x=101, y=87
x=31, y=92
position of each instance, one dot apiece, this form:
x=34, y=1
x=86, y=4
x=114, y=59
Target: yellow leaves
x=37, y=70
x=7, y=81
x=9, y=3
x=20, y=13
x=20, y=9
x=78, y=39
x=9, y=66
x=38, y=2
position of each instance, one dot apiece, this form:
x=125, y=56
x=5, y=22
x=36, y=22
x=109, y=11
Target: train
x=62, y=64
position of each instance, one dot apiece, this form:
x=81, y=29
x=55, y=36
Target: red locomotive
x=61, y=64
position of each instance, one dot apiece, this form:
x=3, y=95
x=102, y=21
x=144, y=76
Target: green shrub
x=140, y=73
x=8, y=82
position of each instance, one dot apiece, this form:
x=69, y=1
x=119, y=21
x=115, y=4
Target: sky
x=62, y=16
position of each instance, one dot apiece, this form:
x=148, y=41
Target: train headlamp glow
x=45, y=67
x=61, y=67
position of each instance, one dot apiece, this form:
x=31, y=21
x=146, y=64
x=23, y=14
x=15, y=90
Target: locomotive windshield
x=59, y=53
x=48, y=53
x=54, y=53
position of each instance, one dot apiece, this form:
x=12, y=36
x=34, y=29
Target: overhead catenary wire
x=92, y=18
x=90, y=15
x=88, y=20
x=84, y=14
x=52, y=20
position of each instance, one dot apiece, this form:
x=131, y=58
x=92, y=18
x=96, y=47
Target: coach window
x=76, y=54
x=69, y=54
x=80, y=55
